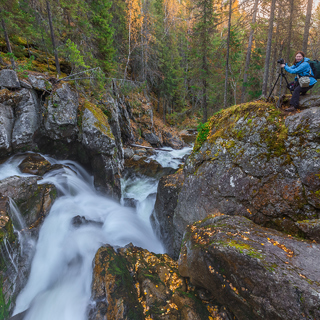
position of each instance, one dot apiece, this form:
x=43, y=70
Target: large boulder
x=258, y=273
x=133, y=283
x=39, y=82
x=27, y=120
x=34, y=164
x=309, y=101
x=33, y=200
x=6, y=126
x=9, y=79
x=143, y=165
x=162, y=216
x=60, y=114
x=96, y=131
x=255, y=161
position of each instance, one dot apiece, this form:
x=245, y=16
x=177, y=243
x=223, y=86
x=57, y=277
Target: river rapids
x=59, y=285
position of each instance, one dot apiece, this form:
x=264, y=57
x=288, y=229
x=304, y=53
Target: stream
x=59, y=285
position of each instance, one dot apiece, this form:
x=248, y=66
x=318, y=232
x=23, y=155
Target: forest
x=194, y=56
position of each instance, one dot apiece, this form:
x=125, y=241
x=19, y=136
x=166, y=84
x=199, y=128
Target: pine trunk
x=53, y=39
x=276, y=47
x=307, y=27
x=268, y=50
x=290, y=30
x=248, y=57
x=8, y=43
x=227, y=59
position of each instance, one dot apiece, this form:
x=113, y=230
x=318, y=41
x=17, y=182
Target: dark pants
x=296, y=94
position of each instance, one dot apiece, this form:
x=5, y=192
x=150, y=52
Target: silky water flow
x=59, y=285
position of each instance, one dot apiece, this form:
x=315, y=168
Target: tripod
x=281, y=76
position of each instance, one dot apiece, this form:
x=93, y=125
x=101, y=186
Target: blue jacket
x=301, y=68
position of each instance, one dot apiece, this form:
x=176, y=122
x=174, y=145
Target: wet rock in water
x=130, y=202
x=258, y=273
x=254, y=161
x=33, y=200
x=113, y=288
x=9, y=79
x=35, y=164
x=146, y=166
x=171, y=140
x=19, y=316
x=134, y=283
x=79, y=221
x=162, y=216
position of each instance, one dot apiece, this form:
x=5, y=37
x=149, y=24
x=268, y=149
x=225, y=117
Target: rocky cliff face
x=256, y=161
x=38, y=113
x=253, y=166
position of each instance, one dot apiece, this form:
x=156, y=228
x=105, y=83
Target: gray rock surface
x=162, y=216
x=256, y=162
x=9, y=79
x=96, y=132
x=309, y=101
x=258, y=273
x=60, y=114
x=40, y=82
x=33, y=200
x=27, y=120
x=6, y=126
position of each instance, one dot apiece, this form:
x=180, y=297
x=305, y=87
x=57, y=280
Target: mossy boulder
x=256, y=161
x=258, y=273
x=133, y=283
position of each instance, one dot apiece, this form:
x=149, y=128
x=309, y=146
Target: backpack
x=315, y=66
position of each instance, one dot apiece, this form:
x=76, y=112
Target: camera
x=281, y=61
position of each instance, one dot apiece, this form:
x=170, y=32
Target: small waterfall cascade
x=59, y=285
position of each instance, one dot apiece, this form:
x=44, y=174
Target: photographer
x=301, y=68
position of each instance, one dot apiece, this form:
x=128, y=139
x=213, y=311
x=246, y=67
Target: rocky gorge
x=239, y=222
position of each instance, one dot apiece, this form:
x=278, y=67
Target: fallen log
x=137, y=145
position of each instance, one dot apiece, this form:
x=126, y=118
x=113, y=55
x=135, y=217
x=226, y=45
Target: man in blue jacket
x=301, y=68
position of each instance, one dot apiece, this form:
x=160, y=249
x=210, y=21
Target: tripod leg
x=273, y=86
x=287, y=82
x=280, y=85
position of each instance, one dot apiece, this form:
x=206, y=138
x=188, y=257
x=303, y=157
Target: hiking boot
x=291, y=109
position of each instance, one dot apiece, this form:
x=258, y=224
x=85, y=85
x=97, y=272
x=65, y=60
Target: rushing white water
x=172, y=158
x=59, y=285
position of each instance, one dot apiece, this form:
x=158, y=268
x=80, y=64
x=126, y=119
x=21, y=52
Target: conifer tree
x=202, y=47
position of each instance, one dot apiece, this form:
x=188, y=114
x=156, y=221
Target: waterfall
x=79, y=222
